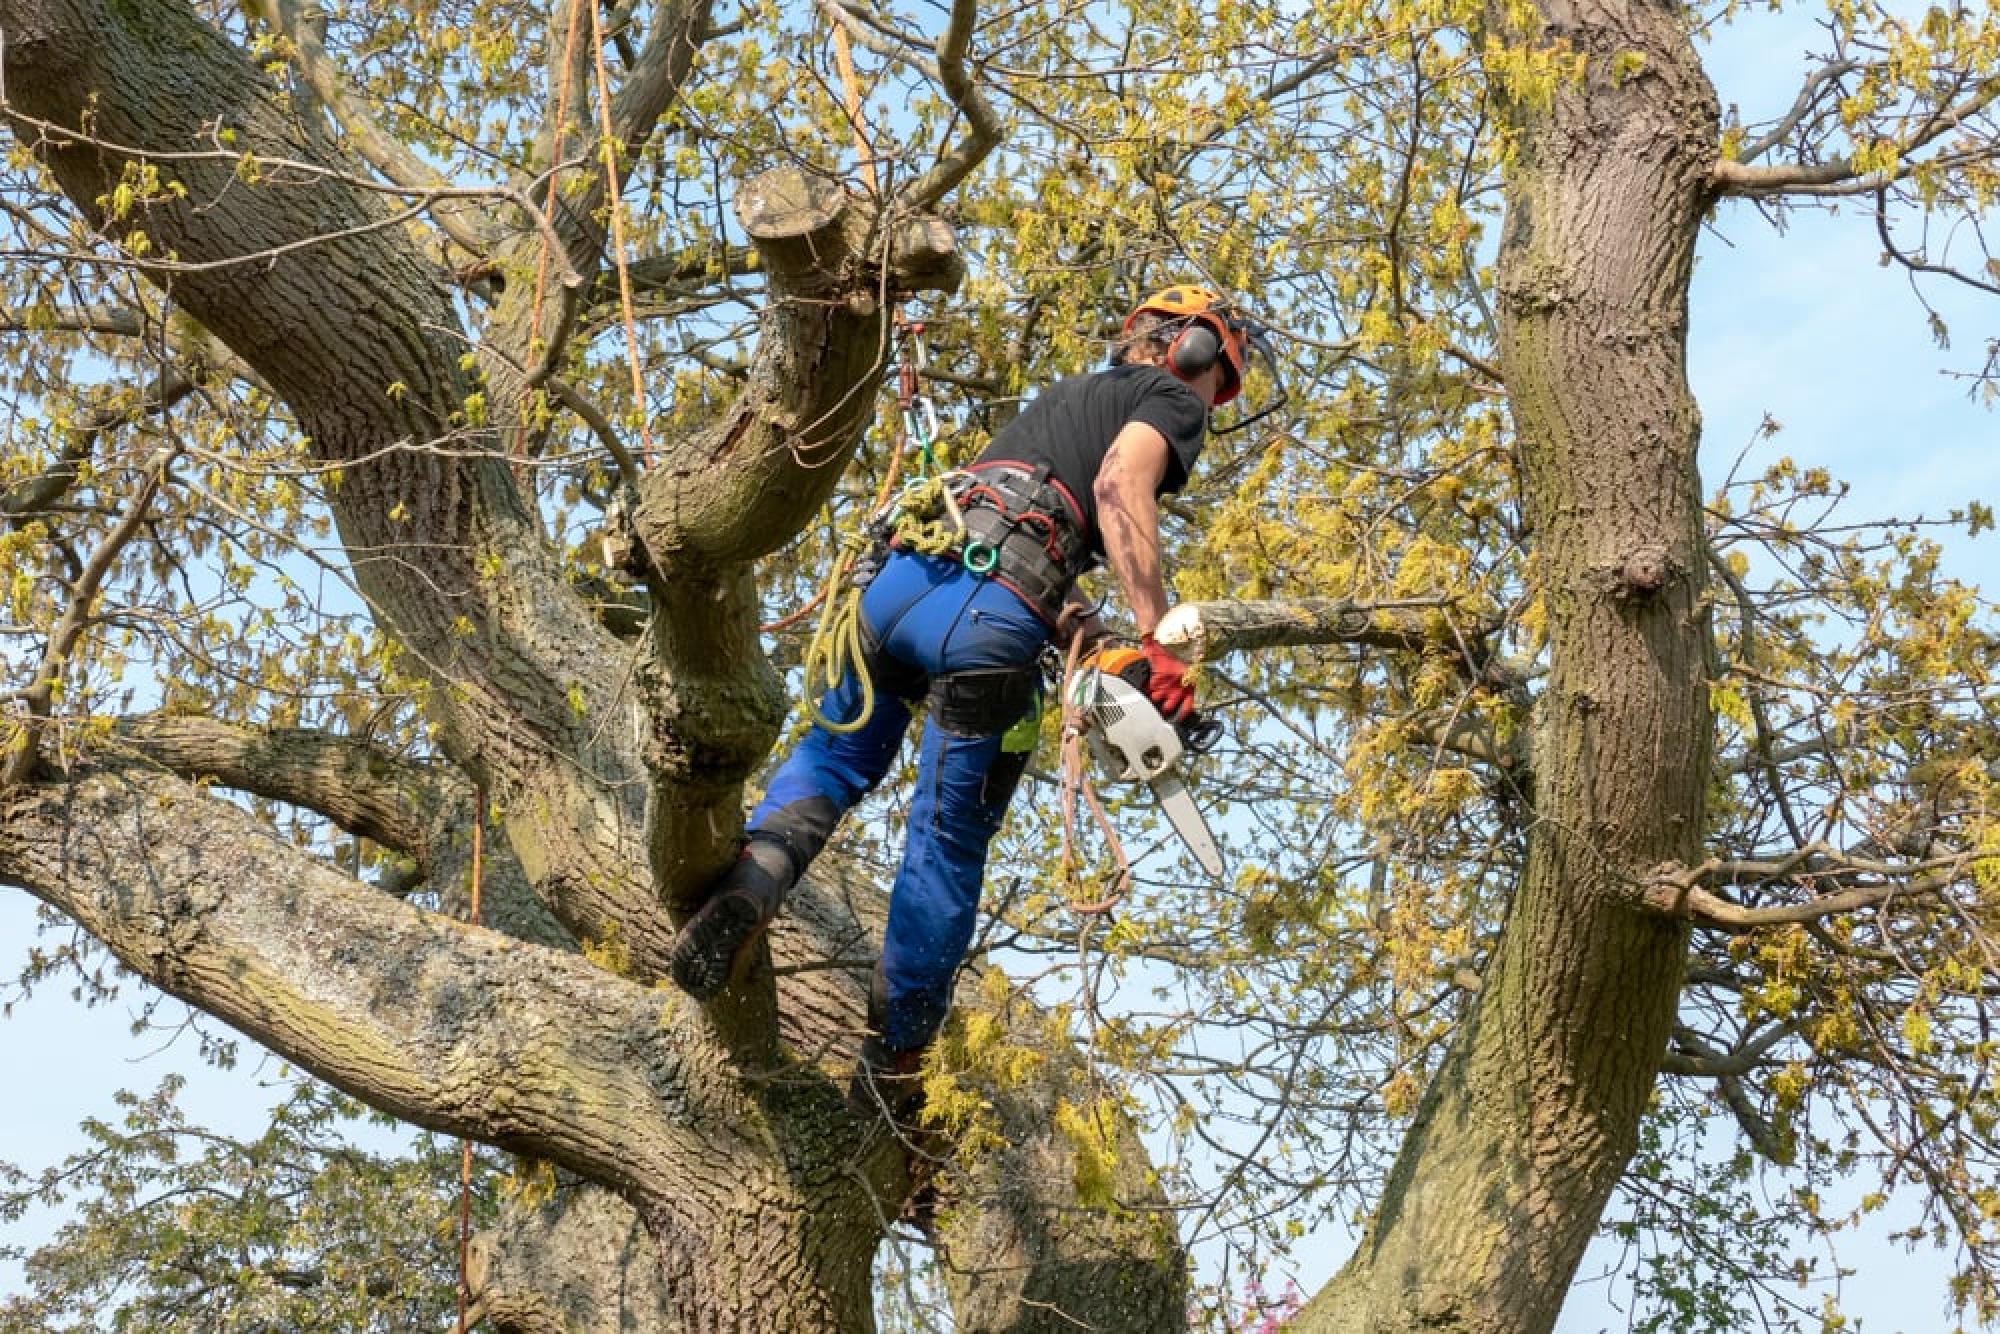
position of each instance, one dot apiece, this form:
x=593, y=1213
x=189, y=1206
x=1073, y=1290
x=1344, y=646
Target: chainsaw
x=1133, y=742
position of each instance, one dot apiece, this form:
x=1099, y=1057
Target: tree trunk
x=1517, y=1144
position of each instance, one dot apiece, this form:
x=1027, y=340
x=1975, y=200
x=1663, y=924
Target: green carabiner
x=981, y=558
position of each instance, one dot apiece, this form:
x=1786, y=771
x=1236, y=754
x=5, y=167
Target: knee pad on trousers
x=801, y=828
x=985, y=701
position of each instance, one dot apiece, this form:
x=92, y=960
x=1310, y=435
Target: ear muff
x=1204, y=342
x=1194, y=350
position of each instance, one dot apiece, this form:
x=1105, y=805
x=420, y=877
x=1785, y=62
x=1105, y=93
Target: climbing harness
x=1022, y=527
x=1003, y=519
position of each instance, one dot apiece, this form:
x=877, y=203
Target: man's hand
x=1079, y=620
x=1168, y=685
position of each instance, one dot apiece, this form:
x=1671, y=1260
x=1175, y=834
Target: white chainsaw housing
x=1132, y=742
x=1128, y=738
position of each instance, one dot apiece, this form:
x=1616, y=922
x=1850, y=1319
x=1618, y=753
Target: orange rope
x=617, y=204
x=555, y=158
x=1075, y=780
x=843, y=57
x=465, y=1146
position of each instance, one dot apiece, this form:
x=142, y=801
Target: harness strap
x=1026, y=529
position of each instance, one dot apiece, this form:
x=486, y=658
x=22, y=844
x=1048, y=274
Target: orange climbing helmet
x=1202, y=333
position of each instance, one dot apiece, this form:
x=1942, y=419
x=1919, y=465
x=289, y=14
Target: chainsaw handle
x=1199, y=731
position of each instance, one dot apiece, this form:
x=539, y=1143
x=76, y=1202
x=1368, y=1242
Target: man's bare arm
x=1128, y=516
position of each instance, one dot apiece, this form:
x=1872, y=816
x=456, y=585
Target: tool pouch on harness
x=1024, y=529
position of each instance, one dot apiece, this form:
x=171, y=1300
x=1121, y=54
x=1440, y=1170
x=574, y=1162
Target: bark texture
x=1015, y=1267
x=580, y=1264
x=1520, y=1139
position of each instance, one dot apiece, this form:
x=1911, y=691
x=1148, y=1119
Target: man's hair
x=1149, y=337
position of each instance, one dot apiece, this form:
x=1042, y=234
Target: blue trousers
x=934, y=621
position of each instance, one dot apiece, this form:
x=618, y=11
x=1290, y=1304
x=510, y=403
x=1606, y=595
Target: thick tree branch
x=654, y=82
x=445, y=1025
x=452, y=1028
x=343, y=320
x=366, y=790
x=746, y=486
x=580, y=1263
x=423, y=811
x=719, y=499
x=982, y=127
x=1023, y=1250
x=1535, y=1109
x=1680, y=891
x=1207, y=631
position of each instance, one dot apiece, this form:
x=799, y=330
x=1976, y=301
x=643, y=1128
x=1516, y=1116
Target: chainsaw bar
x=1177, y=804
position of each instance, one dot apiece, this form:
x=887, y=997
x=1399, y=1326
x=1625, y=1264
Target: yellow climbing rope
x=927, y=522
x=835, y=648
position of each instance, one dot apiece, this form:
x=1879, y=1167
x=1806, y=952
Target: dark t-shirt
x=1071, y=424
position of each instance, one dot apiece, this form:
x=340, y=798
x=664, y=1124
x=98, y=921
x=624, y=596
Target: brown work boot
x=740, y=905
x=888, y=1083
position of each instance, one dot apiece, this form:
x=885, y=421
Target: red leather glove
x=1168, y=687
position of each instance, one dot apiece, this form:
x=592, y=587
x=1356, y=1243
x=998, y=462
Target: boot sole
x=706, y=954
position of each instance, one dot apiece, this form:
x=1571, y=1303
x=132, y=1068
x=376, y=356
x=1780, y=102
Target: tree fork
x=762, y=1198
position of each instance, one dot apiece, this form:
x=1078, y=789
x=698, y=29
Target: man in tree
x=1075, y=478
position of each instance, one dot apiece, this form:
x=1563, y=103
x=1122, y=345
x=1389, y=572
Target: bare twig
x=36, y=699
x=385, y=153
x=424, y=200
x=1809, y=94
x=950, y=73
